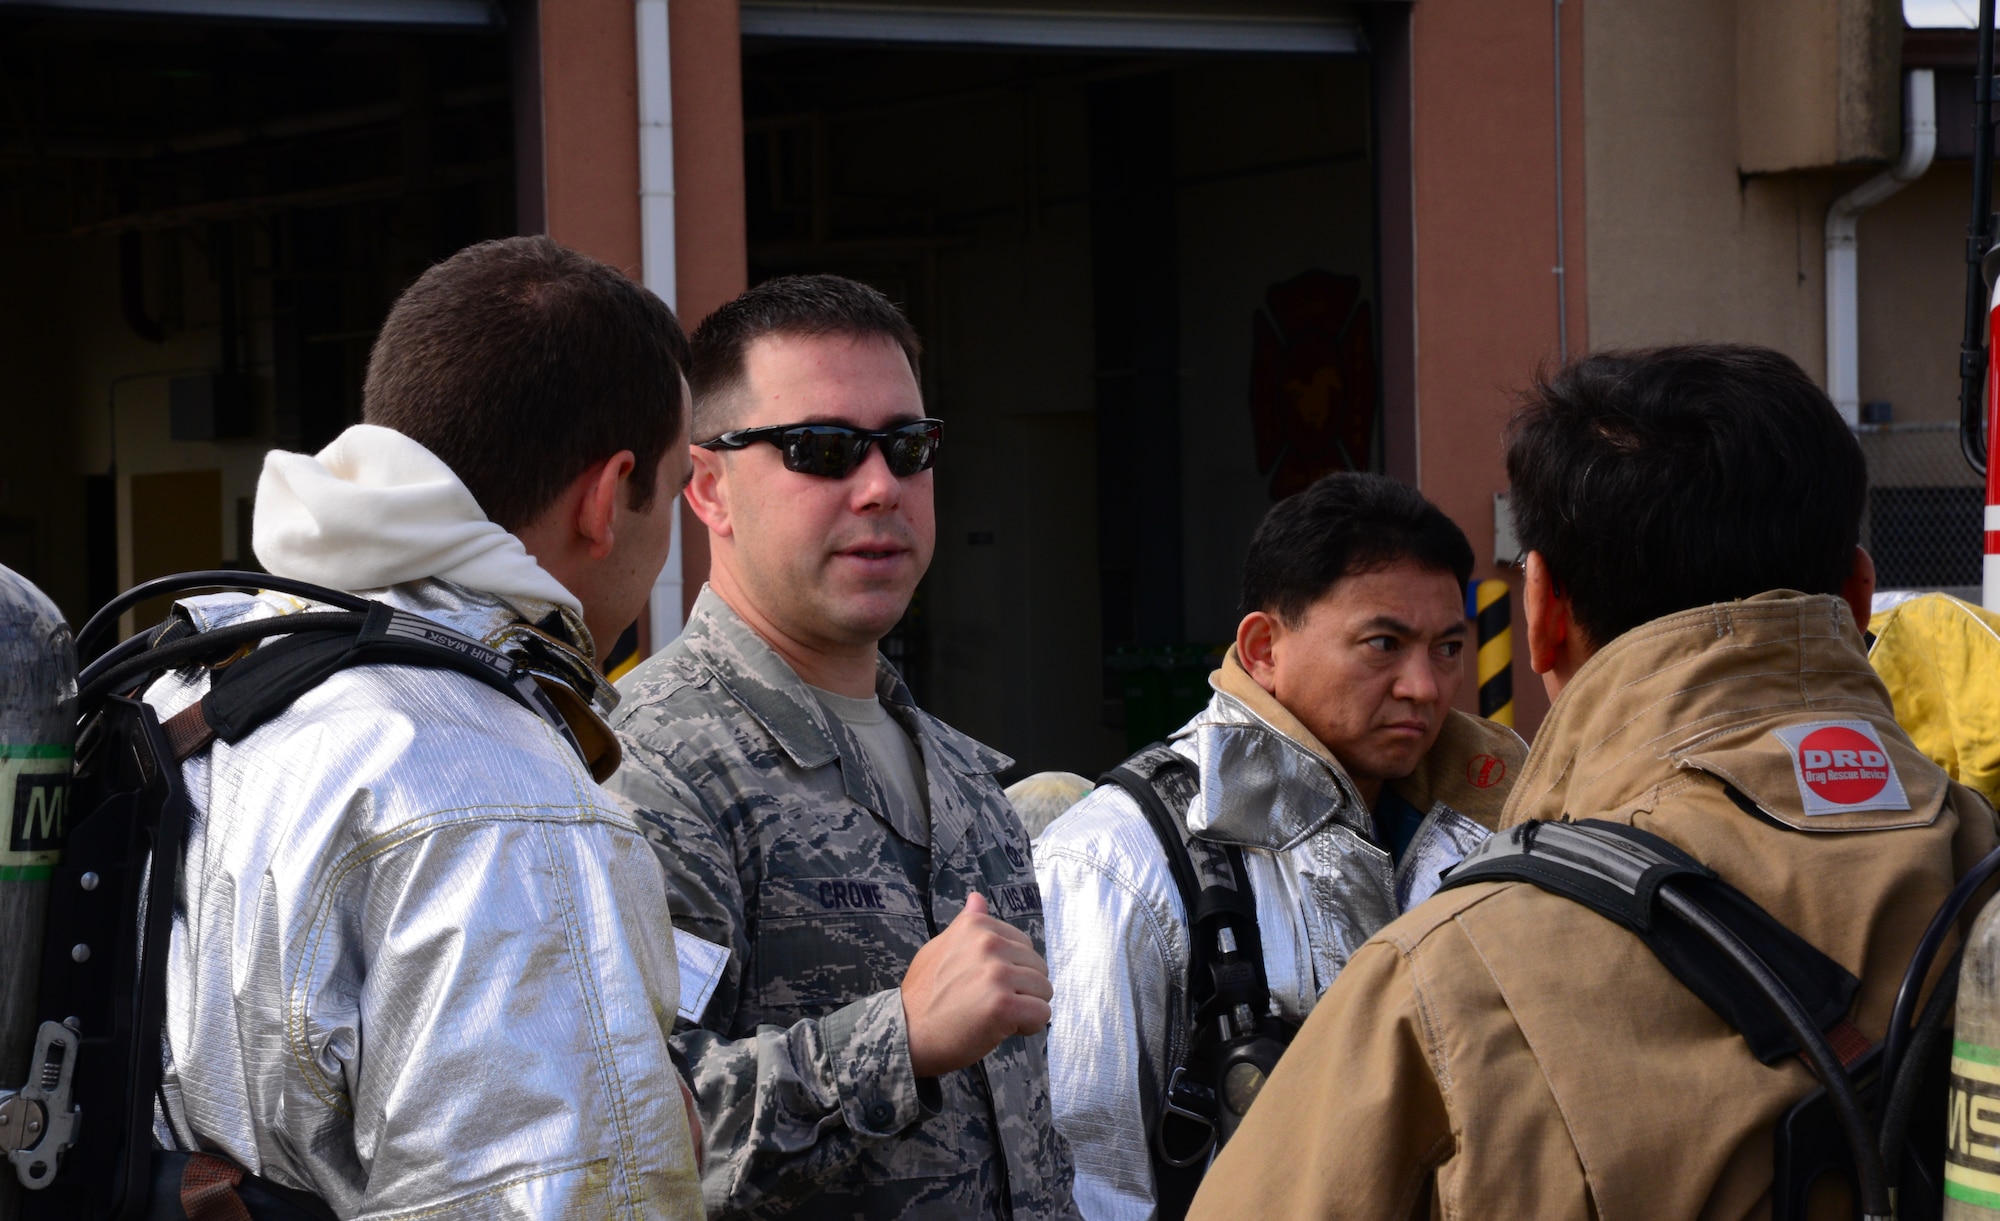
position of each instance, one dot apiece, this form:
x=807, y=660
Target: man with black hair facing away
x=1694, y=602
x=1330, y=760
x=420, y=968
x=860, y=885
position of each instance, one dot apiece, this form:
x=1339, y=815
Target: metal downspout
x=1843, y=377
x=656, y=244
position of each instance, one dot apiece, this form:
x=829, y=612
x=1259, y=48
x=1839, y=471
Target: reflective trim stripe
x=1975, y=1051
x=1979, y=1180
x=1972, y=1070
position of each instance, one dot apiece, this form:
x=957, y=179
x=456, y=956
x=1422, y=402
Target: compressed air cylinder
x=1972, y=1123
x=37, y=734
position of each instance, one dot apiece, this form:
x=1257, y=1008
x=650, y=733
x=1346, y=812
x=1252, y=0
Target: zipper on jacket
x=1005, y=1191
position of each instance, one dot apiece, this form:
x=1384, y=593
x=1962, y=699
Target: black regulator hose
x=1902, y=1092
x=1919, y=969
x=122, y=668
x=1860, y=1133
x=187, y=582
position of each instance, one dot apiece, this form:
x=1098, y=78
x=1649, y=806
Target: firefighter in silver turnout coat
x=781, y=845
x=1118, y=931
x=420, y=967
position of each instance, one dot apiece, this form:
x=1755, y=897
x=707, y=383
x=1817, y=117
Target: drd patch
x=1842, y=768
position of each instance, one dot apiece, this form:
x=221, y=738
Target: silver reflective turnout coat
x=421, y=964
x=1117, y=929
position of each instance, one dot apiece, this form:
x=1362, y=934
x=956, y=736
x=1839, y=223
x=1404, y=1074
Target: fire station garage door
x=1140, y=244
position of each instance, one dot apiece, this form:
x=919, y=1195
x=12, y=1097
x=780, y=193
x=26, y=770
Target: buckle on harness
x=1186, y=1131
x=37, y=1123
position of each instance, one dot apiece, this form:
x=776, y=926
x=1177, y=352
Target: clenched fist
x=971, y=986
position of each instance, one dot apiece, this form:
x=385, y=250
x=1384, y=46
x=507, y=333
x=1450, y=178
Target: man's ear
x=1858, y=591
x=604, y=493
x=707, y=489
x=1256, y=640
x=1546, y=610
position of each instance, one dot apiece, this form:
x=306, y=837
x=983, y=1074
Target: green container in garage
x=1161, y=686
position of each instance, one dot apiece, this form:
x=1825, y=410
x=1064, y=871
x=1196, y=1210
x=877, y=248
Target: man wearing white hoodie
x=423, y=965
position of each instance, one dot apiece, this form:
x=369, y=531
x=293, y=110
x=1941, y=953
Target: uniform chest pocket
x=826, y=942
x=1019, y=903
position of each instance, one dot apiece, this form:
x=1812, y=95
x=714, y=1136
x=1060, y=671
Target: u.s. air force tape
x=701, y=964
x=34, y=809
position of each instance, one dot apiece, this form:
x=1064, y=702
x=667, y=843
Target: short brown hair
x=521, y=364
x=787, y=305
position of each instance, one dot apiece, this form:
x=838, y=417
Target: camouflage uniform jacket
x=782, y=845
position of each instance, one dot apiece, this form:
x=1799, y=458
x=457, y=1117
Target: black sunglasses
x=832, y=451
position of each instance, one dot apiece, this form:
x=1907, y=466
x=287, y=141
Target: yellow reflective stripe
x=1982, y=1180
x=1496, y=655
x=1972, y=1070
x=1490, y=591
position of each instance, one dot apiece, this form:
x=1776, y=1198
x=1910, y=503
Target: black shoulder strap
x=1170, y=830
x=1208, y=907
x=248, y=689
x=1616, y=871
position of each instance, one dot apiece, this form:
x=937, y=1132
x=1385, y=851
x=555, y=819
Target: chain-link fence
x=1925, y=508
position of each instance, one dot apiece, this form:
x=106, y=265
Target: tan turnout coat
x=1503, y=1052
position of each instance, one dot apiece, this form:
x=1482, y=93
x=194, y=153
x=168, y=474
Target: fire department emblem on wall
x=1312, y=381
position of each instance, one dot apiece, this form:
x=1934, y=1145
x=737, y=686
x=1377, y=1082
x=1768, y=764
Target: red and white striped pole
x=1990, y=593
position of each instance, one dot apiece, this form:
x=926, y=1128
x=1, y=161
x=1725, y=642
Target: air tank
x=1972, y=1126
x=37, y=737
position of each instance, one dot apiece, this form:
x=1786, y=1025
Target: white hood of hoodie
x=376, y=509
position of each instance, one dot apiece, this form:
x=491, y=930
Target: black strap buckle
x=1186, y=1131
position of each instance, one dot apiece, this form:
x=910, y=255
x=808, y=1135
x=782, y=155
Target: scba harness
x=1878, y=1115
x=1234, y=1039
x=80, y=1134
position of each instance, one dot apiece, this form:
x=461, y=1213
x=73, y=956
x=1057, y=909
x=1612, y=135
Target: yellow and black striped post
x=1486, y=606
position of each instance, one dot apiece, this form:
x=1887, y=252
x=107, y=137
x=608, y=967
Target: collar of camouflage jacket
x=768, y=688
x=1759, y=694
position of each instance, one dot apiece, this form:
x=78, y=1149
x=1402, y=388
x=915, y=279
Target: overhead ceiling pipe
x=1843, y=357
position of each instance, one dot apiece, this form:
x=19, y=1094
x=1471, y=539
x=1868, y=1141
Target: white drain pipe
x=656, y=245
x=1843, y=376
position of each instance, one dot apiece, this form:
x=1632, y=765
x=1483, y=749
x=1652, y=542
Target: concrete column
x=1483, y=170
x=705, y=42
x=581, y=57
x=590, y=128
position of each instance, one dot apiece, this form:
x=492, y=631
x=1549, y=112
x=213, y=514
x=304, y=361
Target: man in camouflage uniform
x=874, y=1045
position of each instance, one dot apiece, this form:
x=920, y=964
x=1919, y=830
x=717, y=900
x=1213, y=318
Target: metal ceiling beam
x=435, y=13
x=1046, y=29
